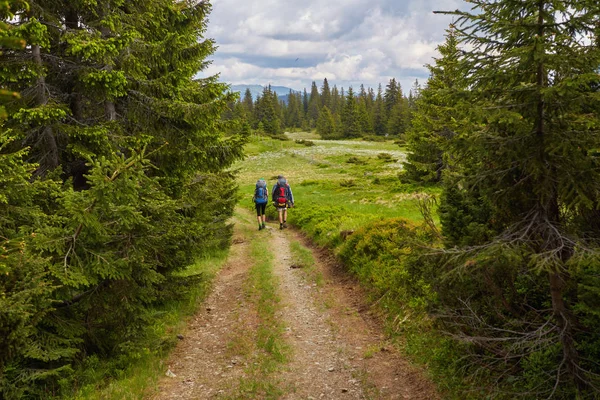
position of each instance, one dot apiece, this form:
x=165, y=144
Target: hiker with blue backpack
x=282, y=199
x=261, y=198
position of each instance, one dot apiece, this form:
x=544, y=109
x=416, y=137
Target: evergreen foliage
x=351, y=127
x=314, y=105
x=326, y=126
x=523, y=186
x=112, y=170
x=437, y=114
x=303, y=111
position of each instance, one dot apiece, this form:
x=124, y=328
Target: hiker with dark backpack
x=261, y=198
x=282, y=199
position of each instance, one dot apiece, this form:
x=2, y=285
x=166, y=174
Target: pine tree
x=379, y=114
x=529, y=160
x=350, y=118
x=248, y=104
x=129, y=155
x=314, y=105
x=364, y=117
x=293, y=111
x=326, y=124
x=325, y=95
x=335, y=100
x=305, y=104
x=392, y=96
x=396, y=109
x=437, y=108
x=267, y=111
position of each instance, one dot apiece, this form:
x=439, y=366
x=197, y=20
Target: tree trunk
x=76, y=101
x=109, y=105
x=46, y=142
x=549, y=214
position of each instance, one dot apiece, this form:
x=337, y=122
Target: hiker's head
x=280, y=177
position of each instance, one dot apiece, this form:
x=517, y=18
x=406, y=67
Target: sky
x=295, y=42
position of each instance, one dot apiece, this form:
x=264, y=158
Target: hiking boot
x=260, y=227
x=263, y=226
x=280, y=226
x=284, y=225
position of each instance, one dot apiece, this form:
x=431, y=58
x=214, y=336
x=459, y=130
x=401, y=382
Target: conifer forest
x=121, y=166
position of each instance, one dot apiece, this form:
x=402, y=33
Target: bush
x=308, y=143
x=385, y=255
x=355, y=160
x=385, y=157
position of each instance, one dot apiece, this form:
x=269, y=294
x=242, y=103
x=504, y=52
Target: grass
x=144, y=366
x=303, y=258
x=345, y=186
x=321, y=176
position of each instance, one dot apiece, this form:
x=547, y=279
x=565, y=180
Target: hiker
x=261, y=198
x=282, y=199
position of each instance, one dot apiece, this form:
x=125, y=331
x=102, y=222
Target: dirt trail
x=338, y=348
x=201, y=363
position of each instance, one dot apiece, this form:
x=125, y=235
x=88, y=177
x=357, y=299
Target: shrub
x=355, y=160
x=307, y=143
x=385, y=157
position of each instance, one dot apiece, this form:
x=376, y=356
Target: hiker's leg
x=280, y=211
x=285, y=215
x=264, y=217
x=258, y=217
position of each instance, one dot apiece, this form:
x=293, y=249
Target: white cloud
x=349, y=42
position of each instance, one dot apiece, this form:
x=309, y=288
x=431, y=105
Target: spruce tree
x=396, y=109
x=326, y=124
x=379, y=114
x=364, y=117
x=248, y=104
x=325, y=95
x=126, y=185
x=529, y=160
x=350, y=127
x=437, y=110
x=314, y=105
x=335, y=100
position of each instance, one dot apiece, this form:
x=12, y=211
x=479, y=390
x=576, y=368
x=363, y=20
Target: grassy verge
x=134, y=375
x=268, y=351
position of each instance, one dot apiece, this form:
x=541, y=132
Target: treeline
x=112, y=160
x=334, y=113
x=509, y=125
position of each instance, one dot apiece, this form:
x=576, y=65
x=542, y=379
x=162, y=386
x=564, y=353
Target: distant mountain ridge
x=257, y=90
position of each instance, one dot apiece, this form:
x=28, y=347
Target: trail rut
x=338, y=349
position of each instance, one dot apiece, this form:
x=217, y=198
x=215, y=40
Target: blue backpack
x=260, y=192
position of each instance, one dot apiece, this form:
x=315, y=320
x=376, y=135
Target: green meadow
x=350, y=197
x=357, y=180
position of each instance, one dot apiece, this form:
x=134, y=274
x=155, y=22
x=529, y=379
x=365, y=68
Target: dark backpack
x=260, y=192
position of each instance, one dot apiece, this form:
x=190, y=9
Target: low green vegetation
x=267, y=350
x=135, y=374
x=324, y=182
x=302, y=257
